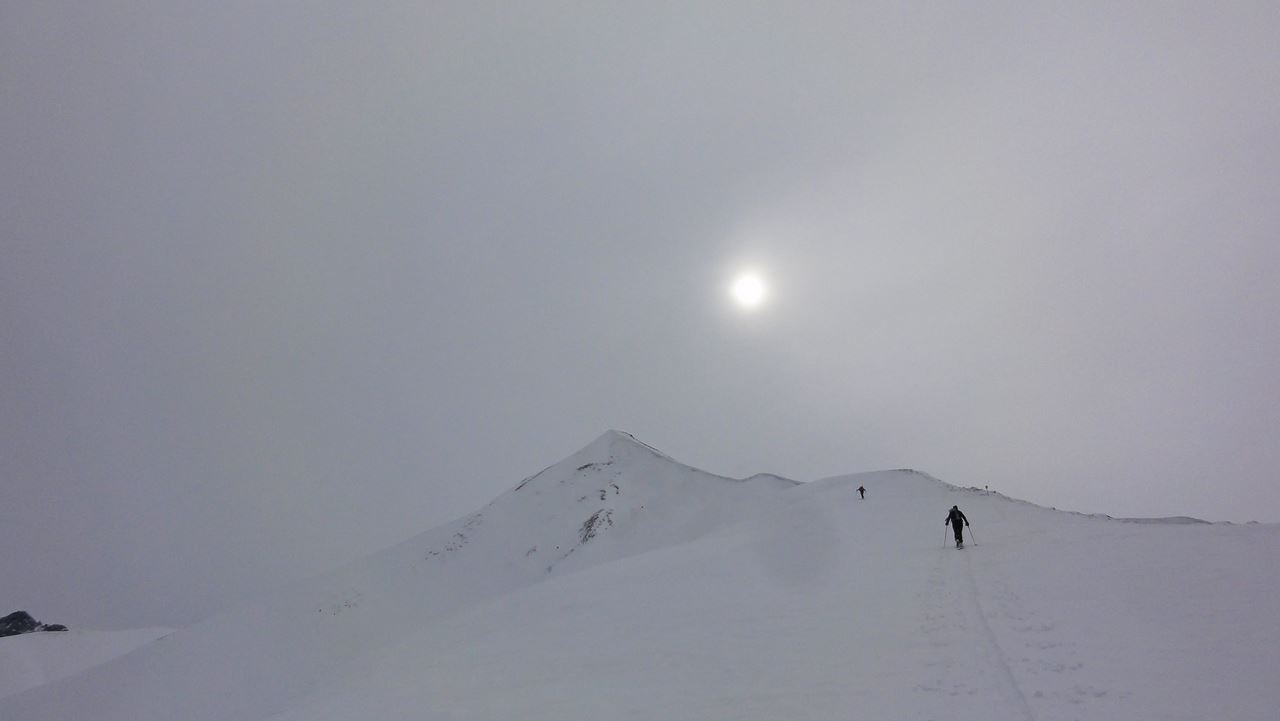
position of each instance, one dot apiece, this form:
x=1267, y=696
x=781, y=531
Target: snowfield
x=34, y=659
x=620, y=584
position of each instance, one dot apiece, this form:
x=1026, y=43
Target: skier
x=862, y=492
x=956, y=517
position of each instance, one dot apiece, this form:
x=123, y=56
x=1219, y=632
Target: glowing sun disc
x=749, y=291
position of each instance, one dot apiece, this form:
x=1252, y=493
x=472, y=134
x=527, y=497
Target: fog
x=284, y=284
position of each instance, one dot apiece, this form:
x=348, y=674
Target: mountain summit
x=614, y=498
x=619, y=583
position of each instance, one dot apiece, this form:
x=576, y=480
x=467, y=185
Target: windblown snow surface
x=34, y=659
x=619, y=584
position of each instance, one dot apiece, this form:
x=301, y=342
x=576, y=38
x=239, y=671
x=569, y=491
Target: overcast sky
x=284, y=283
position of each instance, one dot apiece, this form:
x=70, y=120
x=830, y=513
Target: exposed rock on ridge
x=20, y=622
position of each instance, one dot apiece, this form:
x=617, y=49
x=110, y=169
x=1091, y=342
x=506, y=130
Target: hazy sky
x=285, y=283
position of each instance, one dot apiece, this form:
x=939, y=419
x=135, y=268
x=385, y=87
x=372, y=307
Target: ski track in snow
x=1016, y=698
x=970, y=668
x=996, y=652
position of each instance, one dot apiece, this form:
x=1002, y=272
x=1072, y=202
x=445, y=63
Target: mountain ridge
x=613, y=498
x=620, y=583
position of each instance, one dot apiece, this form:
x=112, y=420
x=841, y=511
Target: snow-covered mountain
x=620, y=584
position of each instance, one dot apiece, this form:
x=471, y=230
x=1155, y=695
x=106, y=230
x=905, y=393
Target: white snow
x=619, y=584
x=34, y=659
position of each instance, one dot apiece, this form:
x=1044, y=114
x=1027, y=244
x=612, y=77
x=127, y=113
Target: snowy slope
x=616, y=497
x=619, y=584
x=34, y=659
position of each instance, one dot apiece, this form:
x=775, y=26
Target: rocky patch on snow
x=20, y=622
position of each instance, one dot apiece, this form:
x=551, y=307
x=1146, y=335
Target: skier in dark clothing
x=862, y=492
x=957, y=520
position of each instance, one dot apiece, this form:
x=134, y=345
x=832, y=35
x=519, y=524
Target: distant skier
x=957, y=520
x=862, y=492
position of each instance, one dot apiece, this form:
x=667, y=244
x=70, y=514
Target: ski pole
x=973, y=537
x=944, y=535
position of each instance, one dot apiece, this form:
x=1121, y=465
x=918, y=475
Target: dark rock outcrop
x=21, y=622
x=16, y=623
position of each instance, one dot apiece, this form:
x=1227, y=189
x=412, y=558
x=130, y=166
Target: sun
x=749, y=290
